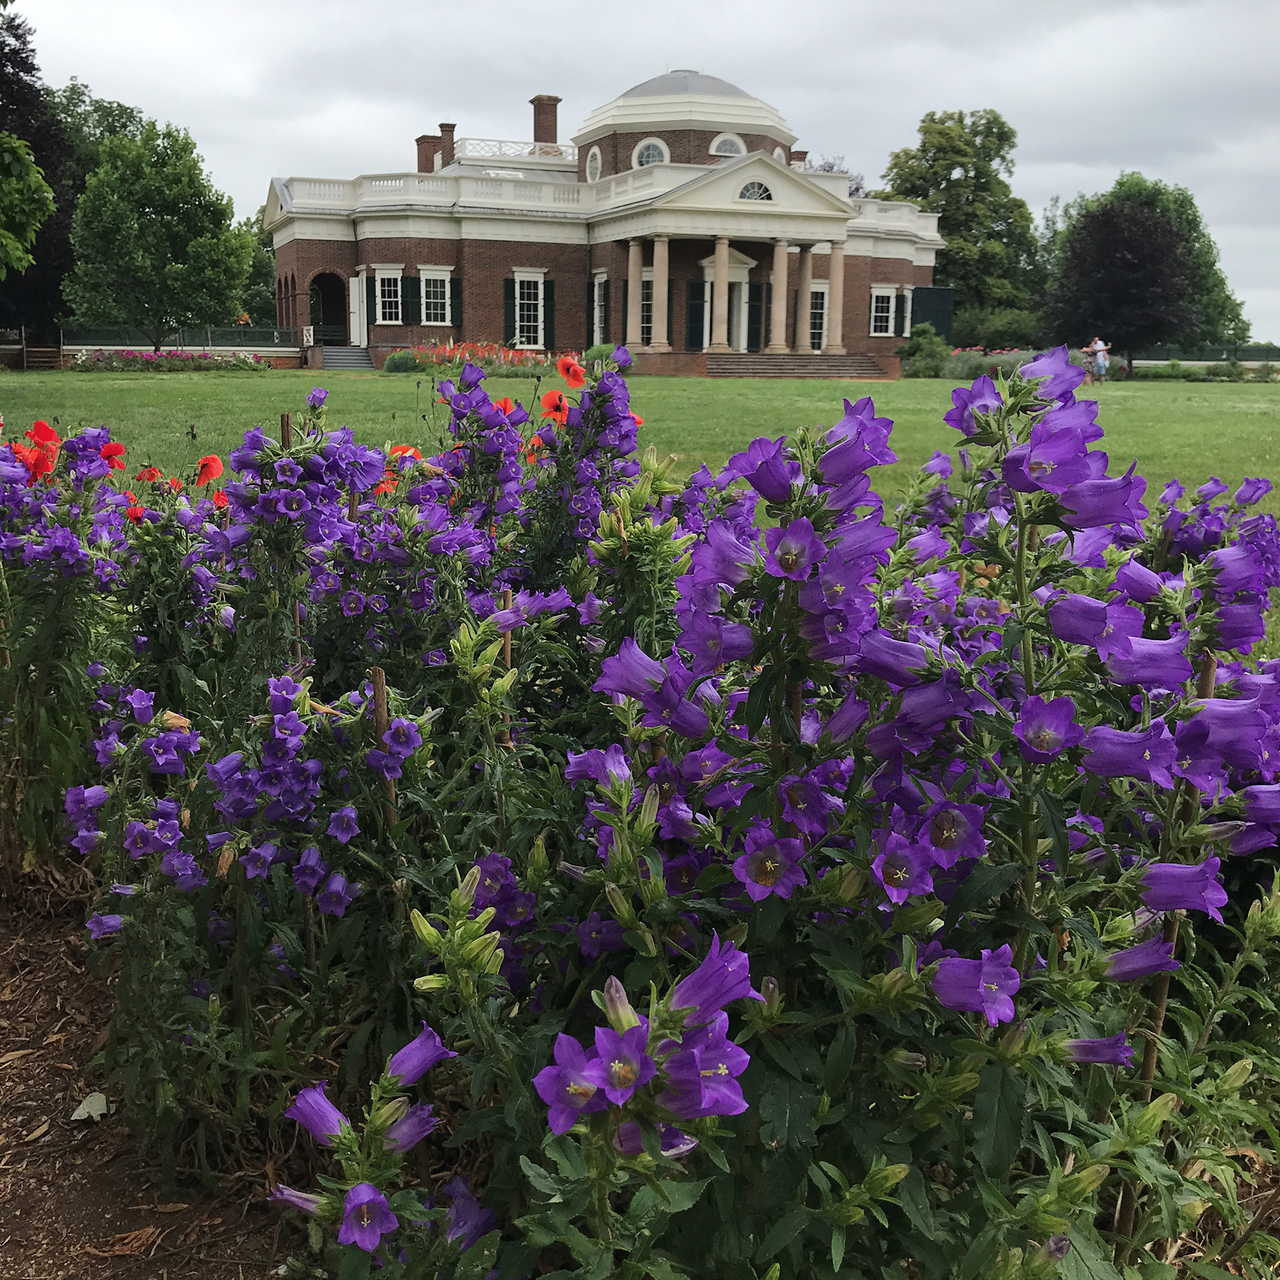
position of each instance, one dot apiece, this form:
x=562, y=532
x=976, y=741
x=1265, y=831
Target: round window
x=593, y=164
x=728, y=145
x=755, y=191
x=650, y=153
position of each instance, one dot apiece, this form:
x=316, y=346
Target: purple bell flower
x=142, y=703
x=1172, y=886
x=343, y=826
x=316, y=397
x=1145, y=754
x=1153, y=956
x=902, y=868
x=366, y=1217
x=1113, y=1051
x=565, y=1087
x=982, y=397
x=423, y=1052
x=1060, y=376
x=724, y=976
x=100, y=926
x=317, y=1115
x=764, y=466
x=793, y=551
x=302, y=1200
x=769, y=866
x=337, y=895
x=621, y=1065
x=1046, y=729
x=985, y=986
x=411, y=1128
x=953, y=831
x=1152, y=664
x=466, y=1221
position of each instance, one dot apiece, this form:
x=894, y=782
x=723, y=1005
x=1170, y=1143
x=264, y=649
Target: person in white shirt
x=1100, y=349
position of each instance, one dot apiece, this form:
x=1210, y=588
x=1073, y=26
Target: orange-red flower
x=148, y=474
x=210, y=468
x=555, y=407
x=43, y=434
x=134, y=513
x=219, y=497
x=113, y=454
x=174, y=483
x=572, y=372
x=401, y=450
x=637, y=419
x=506, y=404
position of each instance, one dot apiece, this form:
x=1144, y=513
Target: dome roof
x=676, y=82
x=685, y=100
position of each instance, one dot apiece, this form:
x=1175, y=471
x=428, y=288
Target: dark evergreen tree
x=1125, y=274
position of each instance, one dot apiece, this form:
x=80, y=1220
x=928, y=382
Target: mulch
x=81, y=1200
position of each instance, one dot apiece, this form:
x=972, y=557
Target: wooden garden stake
x=286, y=431
x=380, y=728
x=504, y=735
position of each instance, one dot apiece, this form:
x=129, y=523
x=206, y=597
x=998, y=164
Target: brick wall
x=859, y=275
x=686, y=146
x=298, y=263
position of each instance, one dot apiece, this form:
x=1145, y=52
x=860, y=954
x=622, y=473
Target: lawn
x=1186, y=430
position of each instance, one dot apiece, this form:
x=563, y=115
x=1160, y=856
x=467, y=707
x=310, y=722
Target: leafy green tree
x=154, y=242
x=1215, y=314
x=260, y=291
x=960, y=170
x=87, y=122
x=25, y=203
x=1125, y=274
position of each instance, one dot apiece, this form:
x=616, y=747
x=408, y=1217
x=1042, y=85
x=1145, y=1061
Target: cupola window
x=728, y=144
x=650, y=151
x=593, y=164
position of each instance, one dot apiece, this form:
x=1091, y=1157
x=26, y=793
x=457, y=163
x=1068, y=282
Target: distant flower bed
x=163, y=361
x=492, y=357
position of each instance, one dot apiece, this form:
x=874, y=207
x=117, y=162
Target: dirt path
x=81, y=1202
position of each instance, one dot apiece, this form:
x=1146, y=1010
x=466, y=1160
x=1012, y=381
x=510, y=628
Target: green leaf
x=837, y=1248
x=355, y=1264
x=1050, y=807
x=980, y=1253
x=986, y=881
x=787, y=1108
x=999, y=1116
x=1087, y=1260
x=782, y=1233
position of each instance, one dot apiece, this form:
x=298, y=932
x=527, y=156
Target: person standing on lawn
x=1100, y=349
x=1089, y=364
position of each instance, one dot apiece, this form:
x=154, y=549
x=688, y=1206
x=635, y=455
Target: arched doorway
x=329, y=309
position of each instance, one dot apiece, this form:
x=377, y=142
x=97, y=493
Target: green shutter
x=755, y=315
x=371, y=299
x=411, y=299
x=509, y=312
x=696, y=303
x=622, y=335
x=604, y=328
x=549, y=314
x=768, y=314
x=590, y=313
x=671, y=312
x=899, y=314
x=455, y=303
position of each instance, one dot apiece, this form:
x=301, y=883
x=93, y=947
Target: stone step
x=761, y=365
x=42, y=358
x=347, y=358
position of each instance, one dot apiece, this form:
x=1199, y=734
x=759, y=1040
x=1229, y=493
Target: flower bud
x=495, y=961
x=431, y=982
x=1233, y=1078
x=617, y=1008
x=539, y=864
x=477, y=953
x=623, y=911
x=772, y=997
x=1077, y=1186
x=879, y=1182
x=485, y=918
x=653, y=889
x=386, y=1116
x=464, y=895
x=428, y=934
x=1150, y=1119
x=908, y=1061
x=649, y=809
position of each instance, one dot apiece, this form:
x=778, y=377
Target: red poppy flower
x=506, y=404
x=219, y=497
x=174, y=483
x=401, y=450
x=135, y=513
x=114, y=456
x=572, y=372
x=43, y=434
x=637, y=419
x=555, y=407
x=148, y=474
x=210, y=468
x=128, y=493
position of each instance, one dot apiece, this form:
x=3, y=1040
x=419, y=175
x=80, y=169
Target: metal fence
x=1216, y=354
x=239, y=336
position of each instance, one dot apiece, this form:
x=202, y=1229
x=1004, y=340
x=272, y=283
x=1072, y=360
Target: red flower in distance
x=219, y=497
x=572, y=372
x=210, y=468
x=555, y=407
x=174, y=483
x=401, y=450
x=506, y=404
x=637, y=419
x=113, y=454
x=148, y=474
x=134, y=513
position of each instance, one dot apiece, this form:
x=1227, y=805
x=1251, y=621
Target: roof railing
x=499, y=148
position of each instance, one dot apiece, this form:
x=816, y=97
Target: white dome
x=685, y=100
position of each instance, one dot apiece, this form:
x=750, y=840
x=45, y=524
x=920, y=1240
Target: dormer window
x=650, y=151
x=728, y=144
x=593, y=164
x=755, y=191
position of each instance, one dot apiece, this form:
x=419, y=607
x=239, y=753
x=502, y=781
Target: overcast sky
x=1186, y=92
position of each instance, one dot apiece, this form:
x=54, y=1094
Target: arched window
x=755, y=191
x=779, y=155
x=728, y=144
x=650, y=151
x=593, y=164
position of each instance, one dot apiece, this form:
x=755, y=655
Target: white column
x=720, y=298
x=635, y=274
x=803, y=346
x=659, y=339
x=835, y=302
x=778, y=305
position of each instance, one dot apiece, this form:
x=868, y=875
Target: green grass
x=1190, y=431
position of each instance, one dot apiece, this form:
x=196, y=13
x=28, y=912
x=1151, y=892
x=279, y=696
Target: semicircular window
x=650, y=153
x=728, y=145
x=755, y=191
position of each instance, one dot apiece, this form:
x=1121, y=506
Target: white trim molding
x=595, y=160
x=878, y=293
x=739, y=148
x=389, y=300
x=435, y=275
x=535, y=276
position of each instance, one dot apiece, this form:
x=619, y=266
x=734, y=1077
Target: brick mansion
x=681, y=220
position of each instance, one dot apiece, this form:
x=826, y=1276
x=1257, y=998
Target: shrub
x=448, y=358
x=1226, y=371
x=995, y=329
x=788, y=887
x=926, y=354
x=164, y=362
x=1264, y=372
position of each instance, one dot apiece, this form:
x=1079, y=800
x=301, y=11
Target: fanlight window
x=728, y=145
x=755, y=191
x=593, y=164
x=650, y=153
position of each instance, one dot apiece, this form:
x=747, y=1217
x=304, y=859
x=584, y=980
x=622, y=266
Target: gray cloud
x=1182, y=90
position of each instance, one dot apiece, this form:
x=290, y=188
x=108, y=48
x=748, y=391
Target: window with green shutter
x=411, y=300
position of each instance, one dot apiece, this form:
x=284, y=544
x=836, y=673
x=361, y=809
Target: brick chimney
x=446, y=144
x=544, y=117
x=428, y=150
x=798, y=159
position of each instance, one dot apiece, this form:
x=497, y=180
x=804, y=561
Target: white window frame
x=764, y=186
x=640, y=146
x=388, y=271
x=527, y=275
x=823, y=287
x=598, y=282
x=727, y=137
x=889, y=291
x=908, y=290
x=646, y=305
x=436, y=273
x=594, y=156
x=779, y=155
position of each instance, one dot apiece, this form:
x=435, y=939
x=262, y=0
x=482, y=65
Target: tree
x=959, y=170
x=260, y=291
x=87, y=122
x=25, y=203
x=1125, y=273
x=1216, y=315
x=154, y=242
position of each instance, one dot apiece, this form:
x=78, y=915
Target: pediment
x=720, y=188
x=736, y=259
